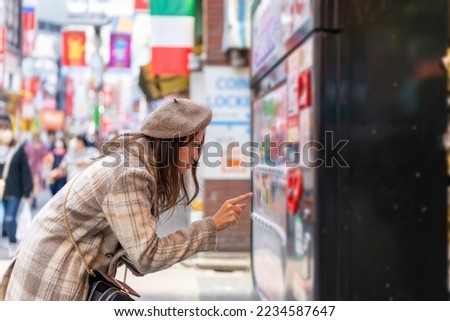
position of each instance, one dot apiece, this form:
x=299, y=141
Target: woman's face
x=6, y=134
x=190, y=153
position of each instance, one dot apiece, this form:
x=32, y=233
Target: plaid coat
x=109, y=211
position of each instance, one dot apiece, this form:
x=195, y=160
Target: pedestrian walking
x=36, y=151
x=79, y=156
x=57, y=177
x=16, y=181
x=112, y=209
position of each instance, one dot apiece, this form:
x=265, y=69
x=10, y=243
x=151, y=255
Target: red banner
x=2, y=40
x=69, y=96
x=30, y=88
x=170, y=61
x=29, y=19
x=74, y=48
x=141, y=5
x=28, y=30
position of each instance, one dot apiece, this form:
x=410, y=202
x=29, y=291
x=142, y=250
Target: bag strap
x=88, y=268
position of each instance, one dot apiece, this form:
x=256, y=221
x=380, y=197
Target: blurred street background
x=345, y=103
x=75, y=73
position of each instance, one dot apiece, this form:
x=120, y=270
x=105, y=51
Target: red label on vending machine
x=294, y=190
x=304, y=89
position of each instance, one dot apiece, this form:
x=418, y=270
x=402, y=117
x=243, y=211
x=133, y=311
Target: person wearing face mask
x=57, y=178
x=79, y=156
x=108, y=214
x=18, y=180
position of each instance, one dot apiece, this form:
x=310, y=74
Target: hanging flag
x=74, y=48
x=172, y=35
x=28, y=30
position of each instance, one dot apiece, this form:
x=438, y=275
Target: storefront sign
x=2, y=40
x=52, y=120
x=228, y=94
x=30, y=88
x=74, y=48
x=266, y=34
x=120, y=51
x=295, y=13
x=29, y=30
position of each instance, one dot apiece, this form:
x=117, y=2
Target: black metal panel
x=327, y=13
x=381, y=223
x=330, y=245
x=392, y=107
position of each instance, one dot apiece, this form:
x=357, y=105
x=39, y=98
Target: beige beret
x=178, y=117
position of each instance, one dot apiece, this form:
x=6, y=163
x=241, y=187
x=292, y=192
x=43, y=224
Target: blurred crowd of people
x=32, y=163
x=65, y=157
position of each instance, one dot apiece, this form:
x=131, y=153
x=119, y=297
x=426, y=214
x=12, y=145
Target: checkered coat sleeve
x=109, y=210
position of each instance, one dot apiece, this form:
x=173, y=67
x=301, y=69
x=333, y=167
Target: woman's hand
x=230, y=212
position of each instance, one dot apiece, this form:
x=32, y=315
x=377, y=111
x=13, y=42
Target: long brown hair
x=160, y=158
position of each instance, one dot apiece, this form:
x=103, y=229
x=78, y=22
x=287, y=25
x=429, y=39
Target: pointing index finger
x=240, y=198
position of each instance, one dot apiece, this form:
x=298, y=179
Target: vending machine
x=349, y=170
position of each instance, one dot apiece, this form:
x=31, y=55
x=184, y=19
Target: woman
x=113, y=208
x=57, y=178
x=36, y=152
x=18, y=180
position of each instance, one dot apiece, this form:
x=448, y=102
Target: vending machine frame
x=373, y=223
